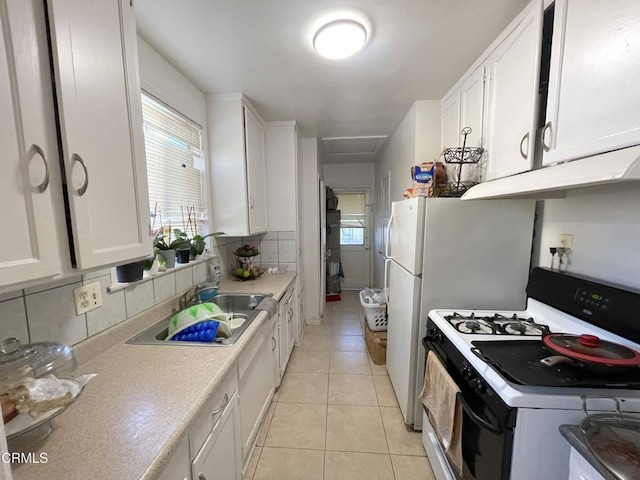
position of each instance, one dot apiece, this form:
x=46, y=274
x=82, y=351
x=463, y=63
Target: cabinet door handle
x=251, y=202
x=300, y=308
x=524, y=154
x=201, y=476
x=546, y=127
x=45, y=183
x=273, y=342
x=77, y=158
x=222, y=407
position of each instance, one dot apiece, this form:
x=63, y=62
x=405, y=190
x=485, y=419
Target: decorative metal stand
x=460, y=156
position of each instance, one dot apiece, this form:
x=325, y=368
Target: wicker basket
x=375, y=314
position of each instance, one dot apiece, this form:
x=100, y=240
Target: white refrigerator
x=449, y=254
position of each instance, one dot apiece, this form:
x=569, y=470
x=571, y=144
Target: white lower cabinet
x=286, y=344
x=300, y=317
x=179, y=467
x=221, y=455
x=275, y=350
x=256, y=386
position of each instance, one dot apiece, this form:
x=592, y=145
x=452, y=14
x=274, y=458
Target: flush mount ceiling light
x=340, y=39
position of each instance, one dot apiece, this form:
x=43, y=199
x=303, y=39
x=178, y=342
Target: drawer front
x=212, y=412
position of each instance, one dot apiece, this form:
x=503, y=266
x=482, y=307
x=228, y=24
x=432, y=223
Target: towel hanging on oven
x=439, y=396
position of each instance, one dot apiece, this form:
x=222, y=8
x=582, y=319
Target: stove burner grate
x=496, y=324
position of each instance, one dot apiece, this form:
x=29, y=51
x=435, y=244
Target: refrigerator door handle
x=386, y=278
x=388, y=239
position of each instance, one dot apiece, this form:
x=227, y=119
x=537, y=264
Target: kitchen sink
x=242, y=316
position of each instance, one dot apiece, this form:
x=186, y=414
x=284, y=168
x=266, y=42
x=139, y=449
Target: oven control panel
x=592, y=299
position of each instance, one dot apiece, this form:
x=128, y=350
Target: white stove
x=514, y=404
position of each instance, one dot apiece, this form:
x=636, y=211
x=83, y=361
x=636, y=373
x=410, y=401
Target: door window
x=353, y=218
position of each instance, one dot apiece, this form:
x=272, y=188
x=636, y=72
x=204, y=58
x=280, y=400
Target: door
x=405, y=234
x=221, y=454
x=28, y=142
x=593, y=105
x=322, y=205
x=514, y=77
x=355, y=235
x=99, y=105
x=404, y=311
x=257, y=191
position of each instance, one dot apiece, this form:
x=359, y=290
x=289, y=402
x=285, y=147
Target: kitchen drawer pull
x=524, y=154
x=201, y=476
x=45, y=183
x=546, y=127
x=289, y=315
x=252, y=202
x=77, y=158
x=222, y=407
x=493, y=428
x=274, y=343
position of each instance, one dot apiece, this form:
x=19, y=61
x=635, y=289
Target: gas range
x=513, y=400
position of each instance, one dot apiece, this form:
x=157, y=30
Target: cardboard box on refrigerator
x=376, y=344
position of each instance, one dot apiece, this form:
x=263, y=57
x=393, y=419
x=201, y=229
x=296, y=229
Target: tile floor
x=335, y=416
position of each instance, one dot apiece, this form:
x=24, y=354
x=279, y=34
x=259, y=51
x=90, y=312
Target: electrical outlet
x=87, y=297
x=566, y=240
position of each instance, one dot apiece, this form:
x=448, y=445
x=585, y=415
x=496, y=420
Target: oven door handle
x=493, y=428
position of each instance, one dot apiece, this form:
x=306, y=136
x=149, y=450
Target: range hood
x=552, y=182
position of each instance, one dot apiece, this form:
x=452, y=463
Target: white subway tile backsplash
x=270, y=236
x=13, y=320
x=51, y=315
x=111, y=312
x=291, y=267
x=287, y=251
x=199, y=273
x=10, y=295
x=252, y=240
x=164, y=287
x=52, y=285
x=269, y=251
x=138, y=298
x=96, y=273
x=184, y=279
x=286, y=235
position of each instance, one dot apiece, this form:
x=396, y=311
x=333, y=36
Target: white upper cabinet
x=594, y=99
x=29, y=145
x=472, y=106
x=237, y=166
x=513, y=95
x=94, y=49
x=256, y=187
x=451, y=120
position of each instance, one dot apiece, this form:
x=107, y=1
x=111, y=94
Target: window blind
x=175, y=166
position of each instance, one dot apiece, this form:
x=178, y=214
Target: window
x=353, y=216
x=175, y=167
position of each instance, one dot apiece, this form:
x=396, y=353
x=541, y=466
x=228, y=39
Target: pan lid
x=591, y=348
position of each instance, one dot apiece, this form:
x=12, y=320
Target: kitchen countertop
x=133, y=415
x=573, y=435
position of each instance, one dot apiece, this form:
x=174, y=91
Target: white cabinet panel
x=95, y=60
x=236, y=167
x=594, y=101
x=256, y=386
x=514, y=72
x=257, y=191
x=179, y=467
x=28, y=142
x=472, y=108
x=275, y=352
x=292, y=320
x=451, y=120
x=221, y=454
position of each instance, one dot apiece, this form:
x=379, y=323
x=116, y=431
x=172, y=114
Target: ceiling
x=416, y=50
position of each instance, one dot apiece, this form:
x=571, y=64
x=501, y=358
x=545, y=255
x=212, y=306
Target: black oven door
x=487, y=436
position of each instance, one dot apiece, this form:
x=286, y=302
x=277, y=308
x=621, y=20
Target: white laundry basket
x=375, y=313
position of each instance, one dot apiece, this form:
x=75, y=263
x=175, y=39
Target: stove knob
x=439, y=338
x=478, y=385
x=467, y=372
x=433, y=331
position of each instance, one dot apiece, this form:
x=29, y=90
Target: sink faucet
x=191, y=297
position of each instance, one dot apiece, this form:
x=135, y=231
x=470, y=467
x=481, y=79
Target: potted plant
x=131, y=272
x=151, y=265
x=197, y=243
x=167, y=248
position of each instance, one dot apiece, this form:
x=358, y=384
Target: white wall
x=416, y=140
x=311, y=227
x=350, y=175
x=605, y=223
